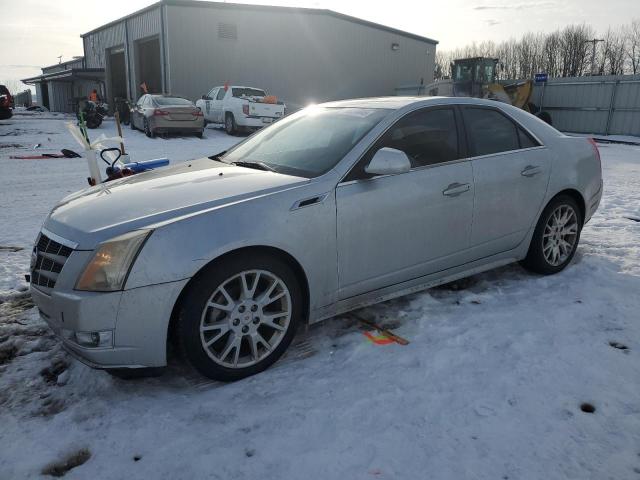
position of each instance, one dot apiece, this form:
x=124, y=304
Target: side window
x=489, y=132
x=427, y=136
x=525, y=140
x=221, y=93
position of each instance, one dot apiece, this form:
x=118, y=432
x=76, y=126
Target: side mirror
x=206, y=97
x=388, y=161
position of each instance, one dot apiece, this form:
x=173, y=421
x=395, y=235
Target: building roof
x=243, y=6
x=68, y=75
x=62, y=64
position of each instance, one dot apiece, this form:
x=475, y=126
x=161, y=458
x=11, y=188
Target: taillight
x=159, y=112
x=595, y=147
x=245, y=109
x=198, y=113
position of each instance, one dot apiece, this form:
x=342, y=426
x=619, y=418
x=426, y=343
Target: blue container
x=145, y=165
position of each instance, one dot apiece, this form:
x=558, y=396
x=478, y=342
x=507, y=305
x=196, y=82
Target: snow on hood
x=106, y=210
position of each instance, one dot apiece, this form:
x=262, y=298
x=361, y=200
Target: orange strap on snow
x=378, y=339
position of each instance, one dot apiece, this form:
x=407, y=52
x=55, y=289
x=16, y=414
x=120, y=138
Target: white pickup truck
x=237, y=107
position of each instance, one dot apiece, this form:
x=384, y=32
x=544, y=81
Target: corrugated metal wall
x=60, y=97
x=63, y=66
x=602, y=105
x=299, y=57
x=121, y=34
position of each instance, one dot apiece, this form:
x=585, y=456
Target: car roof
x=395, y=103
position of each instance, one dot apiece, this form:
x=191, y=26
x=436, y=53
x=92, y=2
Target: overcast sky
x=34, y=33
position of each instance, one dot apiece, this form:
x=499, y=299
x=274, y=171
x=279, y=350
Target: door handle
x=530, y=171
x=456, y=189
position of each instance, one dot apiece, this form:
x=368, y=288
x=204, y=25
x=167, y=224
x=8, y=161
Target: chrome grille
x=49, y=258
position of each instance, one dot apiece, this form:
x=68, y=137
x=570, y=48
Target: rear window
x=167, y=101
x=248, y=92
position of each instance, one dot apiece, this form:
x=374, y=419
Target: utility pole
x=593, y=53
x=59, y=59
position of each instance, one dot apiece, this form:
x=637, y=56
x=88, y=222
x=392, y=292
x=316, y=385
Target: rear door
x=511, y=173
x=394, y=228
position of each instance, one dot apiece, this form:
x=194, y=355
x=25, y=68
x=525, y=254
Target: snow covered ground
x=490, y=386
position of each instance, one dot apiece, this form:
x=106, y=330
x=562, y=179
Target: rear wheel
x=200, y=134
x=239, y=316
x=148, y=130
x=555, y=239
x=230, y=124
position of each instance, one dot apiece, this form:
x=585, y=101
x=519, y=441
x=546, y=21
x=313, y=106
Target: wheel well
x=276, y=252
x=577, y=196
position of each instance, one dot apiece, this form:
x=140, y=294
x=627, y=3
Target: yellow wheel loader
x=476, y=77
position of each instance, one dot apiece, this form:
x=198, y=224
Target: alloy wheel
x=560, y=235
x=245, y=318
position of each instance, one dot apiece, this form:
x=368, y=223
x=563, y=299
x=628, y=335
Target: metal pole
x=593, y=53
x=611, y=107
x=542, y=96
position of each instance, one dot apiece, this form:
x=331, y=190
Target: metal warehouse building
x=60, y=84
x=300, y=55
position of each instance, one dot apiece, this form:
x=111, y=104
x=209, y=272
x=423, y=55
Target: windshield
x=167, y=101
x=310, y=142
x=247, y=92
x=463, y=72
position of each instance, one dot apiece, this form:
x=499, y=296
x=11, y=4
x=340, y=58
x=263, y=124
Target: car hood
x=97, y=213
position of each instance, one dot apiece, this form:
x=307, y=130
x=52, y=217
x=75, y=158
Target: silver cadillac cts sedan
x=338, y=206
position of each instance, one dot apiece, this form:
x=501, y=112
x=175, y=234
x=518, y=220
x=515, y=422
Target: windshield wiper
x=255, y=165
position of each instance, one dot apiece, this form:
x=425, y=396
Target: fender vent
x=309, y=201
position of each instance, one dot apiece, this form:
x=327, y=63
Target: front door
x=511, y=172
x=394, y=228
x=216, y=106
x=136, y=114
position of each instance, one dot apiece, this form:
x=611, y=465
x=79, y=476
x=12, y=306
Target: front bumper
x=138, y=319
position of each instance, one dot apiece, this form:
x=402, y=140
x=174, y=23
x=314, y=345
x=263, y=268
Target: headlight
x=108, y=269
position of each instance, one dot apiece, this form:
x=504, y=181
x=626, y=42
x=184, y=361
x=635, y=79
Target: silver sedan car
x=163, y=114
x=333, y=208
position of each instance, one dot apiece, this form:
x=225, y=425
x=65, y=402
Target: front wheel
x=555, y=239
x=239, y=316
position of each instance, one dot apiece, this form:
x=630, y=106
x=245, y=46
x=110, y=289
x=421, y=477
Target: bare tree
x=610, y=61
x=563, y=53
x=14, y=86
x=632, y=46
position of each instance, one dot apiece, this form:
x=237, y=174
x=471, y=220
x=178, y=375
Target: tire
x=541, y=257
x=199, y=134
x=6, y=114
x=148, y=131
x=230, y=124
x=216, y=351
x=93, y=122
